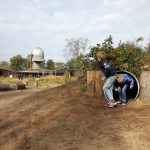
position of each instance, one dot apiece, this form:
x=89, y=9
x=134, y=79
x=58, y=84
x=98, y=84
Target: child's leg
x=120, y=94
x=124, y=95
x=108, y=87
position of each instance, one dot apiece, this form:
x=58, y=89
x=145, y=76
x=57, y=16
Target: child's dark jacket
x=107, y=68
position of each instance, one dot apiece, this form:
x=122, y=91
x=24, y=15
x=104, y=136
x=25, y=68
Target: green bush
x=126, y=56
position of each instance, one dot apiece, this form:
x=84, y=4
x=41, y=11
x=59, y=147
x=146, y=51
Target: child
x=110, y=75
x=124, y=81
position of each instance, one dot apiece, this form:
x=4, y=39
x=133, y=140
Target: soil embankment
x=63, y=119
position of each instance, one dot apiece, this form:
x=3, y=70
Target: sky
x=27, y=24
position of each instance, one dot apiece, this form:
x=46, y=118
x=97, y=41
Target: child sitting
x=123, y=81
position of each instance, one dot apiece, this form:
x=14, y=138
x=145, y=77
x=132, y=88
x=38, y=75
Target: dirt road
x=63, y=119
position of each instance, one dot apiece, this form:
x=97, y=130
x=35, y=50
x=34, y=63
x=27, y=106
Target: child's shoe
x=119, y=102
x=114, y=102
x=109, y=104
x=123, y=103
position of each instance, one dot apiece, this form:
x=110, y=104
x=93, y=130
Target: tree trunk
x=145, y=85
x=95, y=83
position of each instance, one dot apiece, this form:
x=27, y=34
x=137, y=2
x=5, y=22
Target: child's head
x=100, y=55
x=120, y=78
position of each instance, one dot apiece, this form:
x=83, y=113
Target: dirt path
x=63, y=119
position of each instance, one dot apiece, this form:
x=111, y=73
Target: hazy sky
x=27, y=24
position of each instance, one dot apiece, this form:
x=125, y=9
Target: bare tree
x=75, y=47
x=75, y=50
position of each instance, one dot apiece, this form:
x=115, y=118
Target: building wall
x=38, y=65
x=5, y=73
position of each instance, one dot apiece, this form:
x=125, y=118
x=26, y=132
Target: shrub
x=126, y=56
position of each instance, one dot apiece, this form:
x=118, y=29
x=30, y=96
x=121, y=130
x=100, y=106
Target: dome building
x=35, y=65
x=38, y=58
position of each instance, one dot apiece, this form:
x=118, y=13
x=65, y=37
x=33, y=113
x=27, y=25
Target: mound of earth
x=64, y=119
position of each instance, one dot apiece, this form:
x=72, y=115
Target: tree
x=59, y=65
x=129, y=57
x=126, y=56
x=4, y=65
x=72, y=62
x=50, y=64
x=18, y=62
x=74, y=49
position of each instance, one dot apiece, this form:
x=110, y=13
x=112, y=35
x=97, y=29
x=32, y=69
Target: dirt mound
x=64, y=119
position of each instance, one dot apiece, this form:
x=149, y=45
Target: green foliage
x=126, y=56
x=50, y=64
x=129, y=57
x=4, y=65
x=78, y=73
x=71, y=63
x=66, y=74
x=82, y=88
x=75, y=51
x=18, y=62
x=59, y=65
x=76, y=63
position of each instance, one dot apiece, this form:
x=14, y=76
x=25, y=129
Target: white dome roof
x=38, y=54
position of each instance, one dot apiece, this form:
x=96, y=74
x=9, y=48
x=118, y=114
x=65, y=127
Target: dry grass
x=56, y=79
x=4, y=80
x=41, y=83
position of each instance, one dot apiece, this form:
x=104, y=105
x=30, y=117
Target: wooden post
x=95, y=83
x=145, y=85
x=91, y=82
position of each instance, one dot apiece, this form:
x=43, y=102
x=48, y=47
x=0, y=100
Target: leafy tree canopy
x=126, y=56
x=18, y=62
x=50, y=64
x=4, y=65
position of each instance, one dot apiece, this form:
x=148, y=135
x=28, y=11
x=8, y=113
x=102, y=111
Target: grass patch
x=41, y=83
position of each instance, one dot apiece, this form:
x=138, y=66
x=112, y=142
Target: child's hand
x=116, y=89
x=103, y=78
x=131, y=87
x=99, y=59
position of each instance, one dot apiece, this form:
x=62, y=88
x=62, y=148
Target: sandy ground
x=63, y=119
